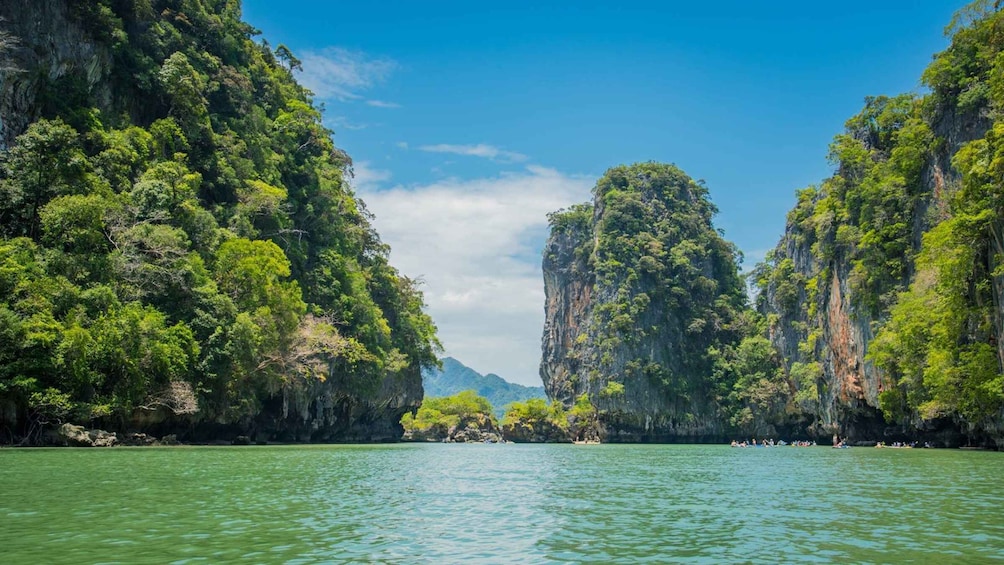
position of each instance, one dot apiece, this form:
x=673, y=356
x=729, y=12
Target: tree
x=286, y=56
x=46, y=161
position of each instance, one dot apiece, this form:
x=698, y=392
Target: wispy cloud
x=382, y=104
x=343, y=123
x=477, y=245
x=366, y=178
x=479, y=150
x=341, y=74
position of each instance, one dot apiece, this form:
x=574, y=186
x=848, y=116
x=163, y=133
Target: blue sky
x=469, y=121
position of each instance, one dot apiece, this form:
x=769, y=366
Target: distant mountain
x=456, y=377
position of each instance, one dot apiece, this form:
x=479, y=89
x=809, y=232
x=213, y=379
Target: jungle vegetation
x=193, y=240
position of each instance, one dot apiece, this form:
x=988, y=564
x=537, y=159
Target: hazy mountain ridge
x=456, y=377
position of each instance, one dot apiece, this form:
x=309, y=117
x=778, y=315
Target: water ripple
x=499, y=504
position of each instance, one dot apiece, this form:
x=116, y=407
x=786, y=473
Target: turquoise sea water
x=435, y=503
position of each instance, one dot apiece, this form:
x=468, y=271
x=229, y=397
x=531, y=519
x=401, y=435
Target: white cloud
x=340, y=74
x=382, y=104
x=479, y=150
x=365, y=177
x=402, y=145
x=476, y=244
x=341, y=122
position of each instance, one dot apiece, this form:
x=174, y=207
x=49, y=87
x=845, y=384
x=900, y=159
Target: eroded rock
x=79, y=436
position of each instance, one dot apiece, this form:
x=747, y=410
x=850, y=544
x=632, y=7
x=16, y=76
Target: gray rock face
x=138, y=439
x=473, y=429
x=475, y=435
x=536, y=432
x=45, y=44
x=568, y=290
x=334, y=411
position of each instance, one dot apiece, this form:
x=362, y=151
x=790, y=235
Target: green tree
x=46, y=161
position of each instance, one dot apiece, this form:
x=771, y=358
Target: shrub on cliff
x=536, y=421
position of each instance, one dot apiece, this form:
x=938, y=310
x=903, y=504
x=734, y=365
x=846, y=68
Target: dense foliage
x=860, y=222
x=196, y=229
x=536, y=420
x=753, y=390
x=942, y=344
x=441, y=417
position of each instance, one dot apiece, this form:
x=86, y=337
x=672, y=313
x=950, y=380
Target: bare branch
x=178, y=397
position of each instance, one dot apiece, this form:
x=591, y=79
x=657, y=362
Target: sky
x=468, y=122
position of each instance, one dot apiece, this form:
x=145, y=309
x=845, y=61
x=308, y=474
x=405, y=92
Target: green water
x=500, y=504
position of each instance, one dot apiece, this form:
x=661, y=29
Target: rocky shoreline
x=71, y=435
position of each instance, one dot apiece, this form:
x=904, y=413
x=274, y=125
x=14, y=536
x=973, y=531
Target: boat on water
x=586, y=442
x=770, y=443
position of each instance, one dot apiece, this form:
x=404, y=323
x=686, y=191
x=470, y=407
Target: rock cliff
x=42, y=43
x=856, y=244
x=639, y=286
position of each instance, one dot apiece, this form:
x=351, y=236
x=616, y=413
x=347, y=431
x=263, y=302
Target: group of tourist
x=770, y=443
x=903, y=444
x=837, y=442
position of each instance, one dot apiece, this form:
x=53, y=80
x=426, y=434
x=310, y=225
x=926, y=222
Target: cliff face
x=831, y=321
x=337, y=412
x=847, y=387
x=44, y=43
x=124, y=103
x=330, y=411
x=568, y=288
x=638, y=287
